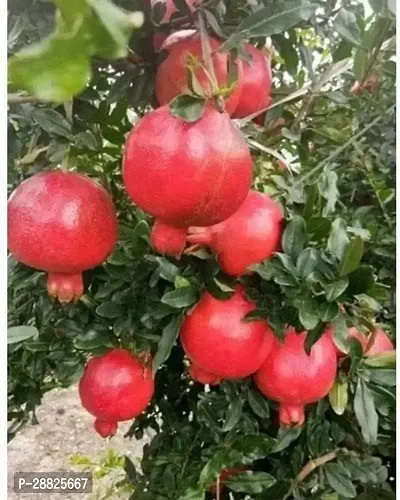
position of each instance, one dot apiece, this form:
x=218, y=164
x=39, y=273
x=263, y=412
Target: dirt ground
x=64, y=429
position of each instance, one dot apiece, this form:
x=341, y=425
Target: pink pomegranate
x=255, y=83
x=249, y=236
x=218, y=340
x=62, y=223
x=172, y=74
x=184, y=173
x=202, y=376
x=116, y=386
x=382, y=342
x=295, y=379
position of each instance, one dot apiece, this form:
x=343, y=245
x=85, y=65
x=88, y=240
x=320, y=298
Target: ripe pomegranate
x=293, y=378
x=170, y=8
x=62, y=223
x=255, y=83
x=172, y=73
x=226, y=474
x=249, y=236
x=116, y=386
x=202, y=376
x=217, y=339
x=184, y=173
x=382, y=342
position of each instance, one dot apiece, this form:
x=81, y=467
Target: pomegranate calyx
x=291, y=414
x=199, y=235
x=167, y=239
x=66, y=287
x=104, y=428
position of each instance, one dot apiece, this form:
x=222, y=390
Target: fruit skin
x=171, y=76
x=168, y=240
x=202, y=376
x=255, y=83
x=62, y=223
x=247, y=237
x=382, y=342
x=226, y=474
x=186, y=174
x=116, y=386
x=217, y=339
x=293, y=378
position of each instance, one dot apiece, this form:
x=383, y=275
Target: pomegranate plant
x=238, y=360
x=115, y=387
x=62, y=223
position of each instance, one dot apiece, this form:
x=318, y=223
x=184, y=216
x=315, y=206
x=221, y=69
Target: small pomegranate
x=295, y=379
x=170, y=7
x=249, y=236
x=186, y=174
x=225, y=475
x=116, y=386
x=202, y=376
x=382, y=342
x=62, y=223
x=255, y=83
x=172, y=73
x=218, y=340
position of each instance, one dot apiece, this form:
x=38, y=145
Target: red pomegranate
x=202, y=376
x=382, y=342
x=62, y=223
x=172, y=73
x=184, y=173
x=116, y=386
x=249, y=236
x=217, y=339
x=226, y=474
x=170, y=7
x=295, y=379
x=255, y=83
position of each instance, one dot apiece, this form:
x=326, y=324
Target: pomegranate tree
x=250, y=235
x=294, y=378
x=218, y=340
x=116, y=386
x=172, y=73
x=190, y=173
x=62, y=223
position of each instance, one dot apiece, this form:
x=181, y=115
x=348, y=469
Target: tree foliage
x=81, y=73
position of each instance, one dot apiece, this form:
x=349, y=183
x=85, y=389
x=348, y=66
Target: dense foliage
x=73, y=100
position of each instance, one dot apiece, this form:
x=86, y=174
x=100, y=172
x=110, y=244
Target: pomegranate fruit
x=218, y=340
x=295, y=379
x=381, y=343
x=62, y=223
x=184, y=173
x=255, y=83
x=249, y=236
x=116, y=386
x=172, y=73
x=202, y=376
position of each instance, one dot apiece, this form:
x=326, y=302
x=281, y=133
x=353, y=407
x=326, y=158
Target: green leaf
x=364, y=408
x=86, y=140
x=352, y=256
x=193, y=493
x=338, y=396
x=361, y=280
x=233, y=414
x=338, y=478
x=346, y=25
x=382, y=360
x=250, y=482
x=20, y=333
x=253, y=447
x=286, y=436
x=181, y=297
x=258, y=404
x=52, y=122
x=168, y=338
x=188, y=108
x=308, y=313
x=306, y=262
x=360, y=63
x=313, y=336
x=93, y=339
x=383, y=376
x=294, y=237
x=335, y=289
x=109, y=310
x=340, y=333
x=262, y=24
x=338, y=239
x=328, y=311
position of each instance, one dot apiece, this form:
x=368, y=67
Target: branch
x=310, y=467
x=21, y=99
